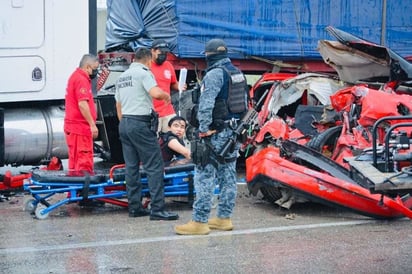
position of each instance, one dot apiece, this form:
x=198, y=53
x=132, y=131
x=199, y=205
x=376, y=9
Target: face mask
x=94, y=74
x=213, y=58
x=161, y=58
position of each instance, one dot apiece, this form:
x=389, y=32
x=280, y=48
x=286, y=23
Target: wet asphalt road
x=309, y=238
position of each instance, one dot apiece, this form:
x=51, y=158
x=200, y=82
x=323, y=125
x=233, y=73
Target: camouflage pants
x=205, y=181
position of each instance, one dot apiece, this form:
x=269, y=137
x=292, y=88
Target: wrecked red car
x=360, y=163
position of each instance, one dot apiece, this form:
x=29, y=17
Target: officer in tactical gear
x=217, y=119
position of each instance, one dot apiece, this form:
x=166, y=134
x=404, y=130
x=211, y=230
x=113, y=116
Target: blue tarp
x=273, y=29
x=136, y=23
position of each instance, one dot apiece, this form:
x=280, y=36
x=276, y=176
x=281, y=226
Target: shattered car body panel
x=305, y=172
x=279, y=96
x=318, y=88
x=351, y=64
x=375, y=104
x=325, y=184
x=355, y=59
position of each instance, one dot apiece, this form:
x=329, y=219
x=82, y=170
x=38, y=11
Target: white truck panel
x=41, y=43
x=12, y=14
x=29, y=78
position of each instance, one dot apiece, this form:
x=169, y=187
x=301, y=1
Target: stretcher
x=105, y=186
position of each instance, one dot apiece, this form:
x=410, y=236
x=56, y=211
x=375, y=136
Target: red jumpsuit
x=77, y=130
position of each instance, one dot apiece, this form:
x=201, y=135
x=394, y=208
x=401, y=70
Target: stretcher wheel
x=30, y=205
x=39, y=215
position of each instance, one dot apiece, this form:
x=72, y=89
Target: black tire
x=270, y=193
x=325, y=142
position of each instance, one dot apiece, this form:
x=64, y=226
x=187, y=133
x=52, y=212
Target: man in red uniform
x=165, y=76
x=80, y=118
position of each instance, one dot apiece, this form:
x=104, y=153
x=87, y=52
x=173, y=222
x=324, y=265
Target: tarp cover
x=281, y=29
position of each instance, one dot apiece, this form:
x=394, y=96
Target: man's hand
x=85, y=111
x=95, y=131
x=207, y=133
x=184, y=88
x=159, y=94
x=167, y=99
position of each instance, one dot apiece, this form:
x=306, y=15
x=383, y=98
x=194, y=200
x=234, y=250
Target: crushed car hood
x=357, y=59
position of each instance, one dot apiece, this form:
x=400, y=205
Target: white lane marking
x=179, y=238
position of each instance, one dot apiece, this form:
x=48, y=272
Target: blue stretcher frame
x=110, y=188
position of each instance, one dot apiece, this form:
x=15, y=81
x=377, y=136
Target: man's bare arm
x=85, y=111
x=119, y=110
x=159, y=94
x=179, y=148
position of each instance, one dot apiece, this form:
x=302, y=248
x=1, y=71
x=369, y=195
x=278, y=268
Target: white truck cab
x=41, y=44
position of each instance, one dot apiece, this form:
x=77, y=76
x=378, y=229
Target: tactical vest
x=234, y=91
x=231, y=102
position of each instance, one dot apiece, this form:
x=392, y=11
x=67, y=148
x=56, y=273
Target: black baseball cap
x=160, y=44
x=215, y=46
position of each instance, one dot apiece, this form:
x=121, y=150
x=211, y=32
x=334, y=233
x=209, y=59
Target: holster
x=200, y=153
x=154, y=121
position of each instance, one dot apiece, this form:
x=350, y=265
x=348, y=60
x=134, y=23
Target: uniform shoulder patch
x=83, y=90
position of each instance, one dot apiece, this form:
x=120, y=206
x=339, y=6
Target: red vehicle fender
x=269, y=163
x=276, y=127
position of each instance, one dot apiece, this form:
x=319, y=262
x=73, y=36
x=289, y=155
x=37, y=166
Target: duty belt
x=142, y=118
x=221, y=125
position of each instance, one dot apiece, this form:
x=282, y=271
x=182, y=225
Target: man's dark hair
x=176, y=118
x=142, y=54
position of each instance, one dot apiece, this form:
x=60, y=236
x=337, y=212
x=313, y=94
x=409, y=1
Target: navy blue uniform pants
x=139, y=144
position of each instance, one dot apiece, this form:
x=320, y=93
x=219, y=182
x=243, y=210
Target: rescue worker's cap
x=215, y=46
x=160, y=44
